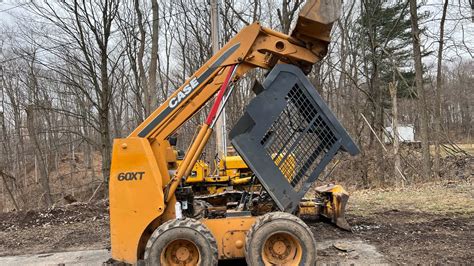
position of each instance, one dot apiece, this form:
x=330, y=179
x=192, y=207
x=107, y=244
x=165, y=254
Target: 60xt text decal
x=130, y=176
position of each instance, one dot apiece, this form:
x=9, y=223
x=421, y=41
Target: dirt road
x=351, y=251
x=83, y=257
x=429, y=224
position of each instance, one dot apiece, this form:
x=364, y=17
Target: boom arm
x=254, y=46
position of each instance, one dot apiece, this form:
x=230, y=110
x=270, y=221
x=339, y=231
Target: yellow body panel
x=198, y=173
x=135, y=199
x=289, y=166
x=230, y=234
x=233, y=162
x=216, y=179
x=308, y=209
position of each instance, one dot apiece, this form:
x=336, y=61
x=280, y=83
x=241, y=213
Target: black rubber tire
x=271, y=223
x=188, y=229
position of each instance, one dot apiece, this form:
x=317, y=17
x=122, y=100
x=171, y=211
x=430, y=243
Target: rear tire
x=280, y=238
x=181, y=242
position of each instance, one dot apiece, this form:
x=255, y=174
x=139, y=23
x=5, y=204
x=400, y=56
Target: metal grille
x=287, y=136
x=298, y=138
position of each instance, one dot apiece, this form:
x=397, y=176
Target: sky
x=459, y=30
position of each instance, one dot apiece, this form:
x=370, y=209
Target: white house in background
x=406, y=133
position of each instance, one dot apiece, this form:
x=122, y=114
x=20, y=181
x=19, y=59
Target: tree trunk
x=439, y=80
x=152, y=70
x=105, y=140
x=422, y=107
x=143, y=84
x=6, y=161
x=108, y=15
x=9, y=191
x=396, y=140
x=378, y=124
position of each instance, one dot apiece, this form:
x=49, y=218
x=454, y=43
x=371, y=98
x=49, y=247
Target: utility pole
x=221, y=136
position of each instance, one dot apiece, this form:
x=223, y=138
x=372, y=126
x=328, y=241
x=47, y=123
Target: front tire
x=279, y=238
x=181, y=242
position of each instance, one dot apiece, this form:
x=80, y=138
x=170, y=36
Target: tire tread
x=266, y=218
x=185, y=223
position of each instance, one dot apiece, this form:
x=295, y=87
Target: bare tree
x=100, y=67
x=287, y=13
x=42, y=165
x=420, y=89
x=439, y=81
x=148, y=84
x=88, y=27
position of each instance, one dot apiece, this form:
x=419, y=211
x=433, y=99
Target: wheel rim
x=180, y=252
x=282, y=249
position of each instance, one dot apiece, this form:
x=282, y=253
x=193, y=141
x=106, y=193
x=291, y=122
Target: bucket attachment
x=330, y=203
x=314, y=24
x=333, y=199
x=288, y=135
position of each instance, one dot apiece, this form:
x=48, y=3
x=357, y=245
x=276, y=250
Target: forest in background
x=76, y=74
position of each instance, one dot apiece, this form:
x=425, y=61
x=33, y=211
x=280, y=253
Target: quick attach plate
x=287, y=136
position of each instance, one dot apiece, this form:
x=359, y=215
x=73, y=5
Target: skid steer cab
x=161, y=215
